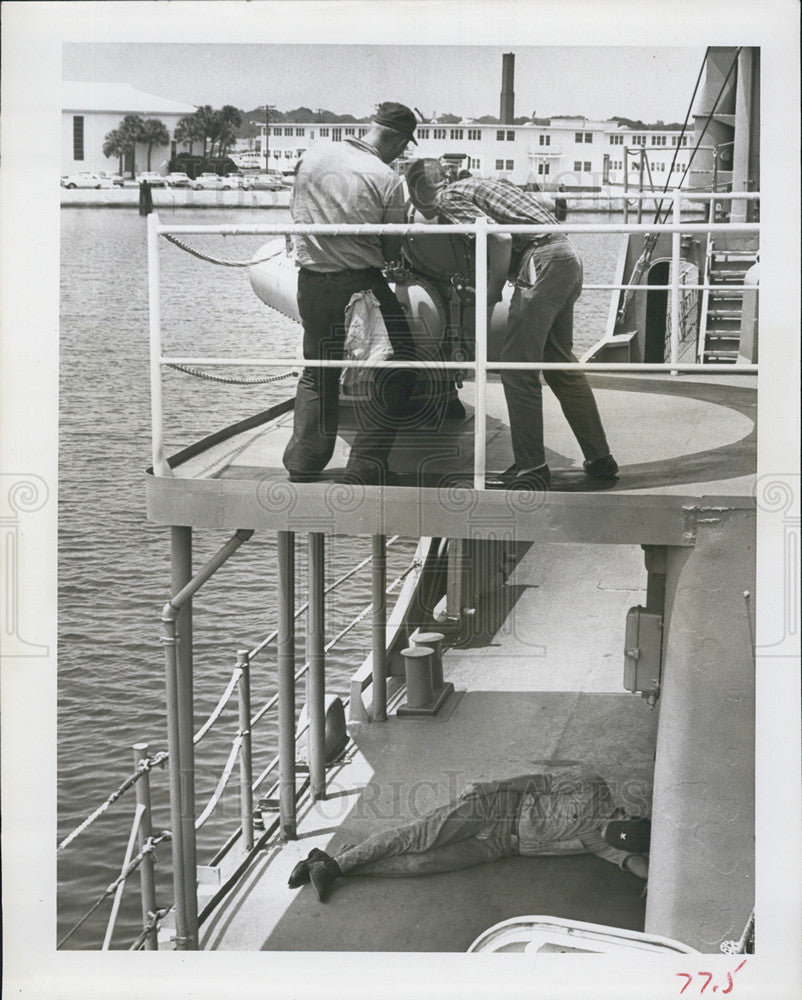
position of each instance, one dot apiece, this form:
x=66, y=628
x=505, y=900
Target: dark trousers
x=322, y=301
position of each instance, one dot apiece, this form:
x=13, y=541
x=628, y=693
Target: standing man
x=349, y=182
x=547, y=273
x=542, y=814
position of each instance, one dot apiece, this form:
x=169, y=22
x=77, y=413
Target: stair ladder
x=720, y=334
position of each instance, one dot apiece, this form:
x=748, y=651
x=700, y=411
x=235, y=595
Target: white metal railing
x=479, y=230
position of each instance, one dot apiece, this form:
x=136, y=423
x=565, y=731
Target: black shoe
x=305, y=477
x=535, y=480
x=369, y=476
x=323, y=875
x=300, y=874
x=601, y=468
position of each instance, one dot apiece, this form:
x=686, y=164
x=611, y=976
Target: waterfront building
x=89, y=111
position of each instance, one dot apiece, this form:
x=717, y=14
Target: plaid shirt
x=500, y=201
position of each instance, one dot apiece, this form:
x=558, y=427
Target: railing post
x=626, y=185
x=181, y=560
x=316, y=658
x=286, y=681
x=675, y=261
x=640, y=183
x=160, y=465
x=480, y=413
x=379, y=639
x=147, y=874
x=245, y=753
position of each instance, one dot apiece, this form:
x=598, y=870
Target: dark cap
x=397, y=117
x=631, y=835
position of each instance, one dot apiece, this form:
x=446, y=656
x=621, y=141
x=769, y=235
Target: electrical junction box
x=643, y=652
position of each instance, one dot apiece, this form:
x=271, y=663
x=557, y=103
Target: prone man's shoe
x=323, y=875
x=368, y=475
x=304, y=477
x=300, y=874
x=533, y=479
x=601, y=468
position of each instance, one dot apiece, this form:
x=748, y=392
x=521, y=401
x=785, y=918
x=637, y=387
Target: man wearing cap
x=336, y=183
x=547, y=274
x=548, y=813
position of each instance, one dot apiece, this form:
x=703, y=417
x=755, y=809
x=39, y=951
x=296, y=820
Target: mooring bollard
x=434, y=641
x=426, y=691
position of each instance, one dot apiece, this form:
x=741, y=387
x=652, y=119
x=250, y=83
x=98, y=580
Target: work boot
x=323, y=875
x=300, y=874
x=601, y=468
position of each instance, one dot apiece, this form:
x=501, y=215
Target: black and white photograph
x=400, y=495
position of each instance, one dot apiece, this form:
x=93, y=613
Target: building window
x=588, y=137
x=658, y=140
x=577, y=136
x=510, y=136
x=350, y=131
x=300, y=131
x=422, y=133
x=439, y=133
x=510, y=164
x=362, y=131
x=78, y=137
x=324, y=133
x=545, y=140
x=276, y=154
x=457, y=133
x=499, y=164
x=500, y=135
x=685, y=140
x=474, y=133
x=474, y=163
x=336, y=135
x=638, y=140
x=287, y=154
x=543, y=168
x=577, y=166
x=587, y=166
x=616, y=140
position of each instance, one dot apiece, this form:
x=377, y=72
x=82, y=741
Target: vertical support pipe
x=480, y=414
x=181, y=562
x=640, y=184
x=160, y=466
x=245, y=753
x=286, y=681
x=147, y=875
x=174, y=750
x=379, y=600
x=626, y=185
x=316, y=658
x=675, y=261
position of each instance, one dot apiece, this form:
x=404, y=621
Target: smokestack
x=507, y=110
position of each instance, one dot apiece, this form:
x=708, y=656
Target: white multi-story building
x=91, y=110
x=576, y=152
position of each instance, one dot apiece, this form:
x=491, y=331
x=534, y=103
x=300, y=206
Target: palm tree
x=188, y=130
x=205, y=116
x=230, y=120
x=132, y=127
x=115, y=144
x=154, y=133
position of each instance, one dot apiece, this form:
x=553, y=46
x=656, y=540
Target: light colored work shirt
x=344, y=182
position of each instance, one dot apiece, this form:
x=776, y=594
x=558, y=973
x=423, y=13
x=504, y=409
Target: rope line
x=230, y=380
x=154, y=920
x=221, y=784
x=221, y=704
x=143, y=767
x=135, y=862
x=217, y=260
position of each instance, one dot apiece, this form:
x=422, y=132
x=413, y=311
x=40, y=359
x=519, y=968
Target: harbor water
x=113, y=564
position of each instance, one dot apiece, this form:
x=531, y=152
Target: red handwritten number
x=689, y=977
x=729, y=977
x=709, y=977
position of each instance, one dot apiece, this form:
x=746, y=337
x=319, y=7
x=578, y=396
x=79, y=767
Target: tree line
x=214, y=129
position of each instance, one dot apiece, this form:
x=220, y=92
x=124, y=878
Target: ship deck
x=676, y=439
x=539, y=684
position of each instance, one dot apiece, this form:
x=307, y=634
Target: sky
x=652, y=84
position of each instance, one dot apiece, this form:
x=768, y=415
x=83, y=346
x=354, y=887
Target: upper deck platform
x=683, y=443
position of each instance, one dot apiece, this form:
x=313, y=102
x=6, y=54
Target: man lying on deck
x=549, y=813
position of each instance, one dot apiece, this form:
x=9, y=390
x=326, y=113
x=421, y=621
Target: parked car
x=212, y=182
x=84, y=179
x=177, y=179
x=153, y=178
x=107, y=175
x=263, y=182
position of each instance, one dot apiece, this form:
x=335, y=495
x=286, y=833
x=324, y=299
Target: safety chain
x=147, y=848
x=217, y=260
x=151, y=925
x=144, y=766
x=231, y=381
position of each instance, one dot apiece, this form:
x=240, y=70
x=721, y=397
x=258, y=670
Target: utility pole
x=268, y=109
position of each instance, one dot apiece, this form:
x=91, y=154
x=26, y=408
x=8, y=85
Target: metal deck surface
x=538, y=684
x=676, y=439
